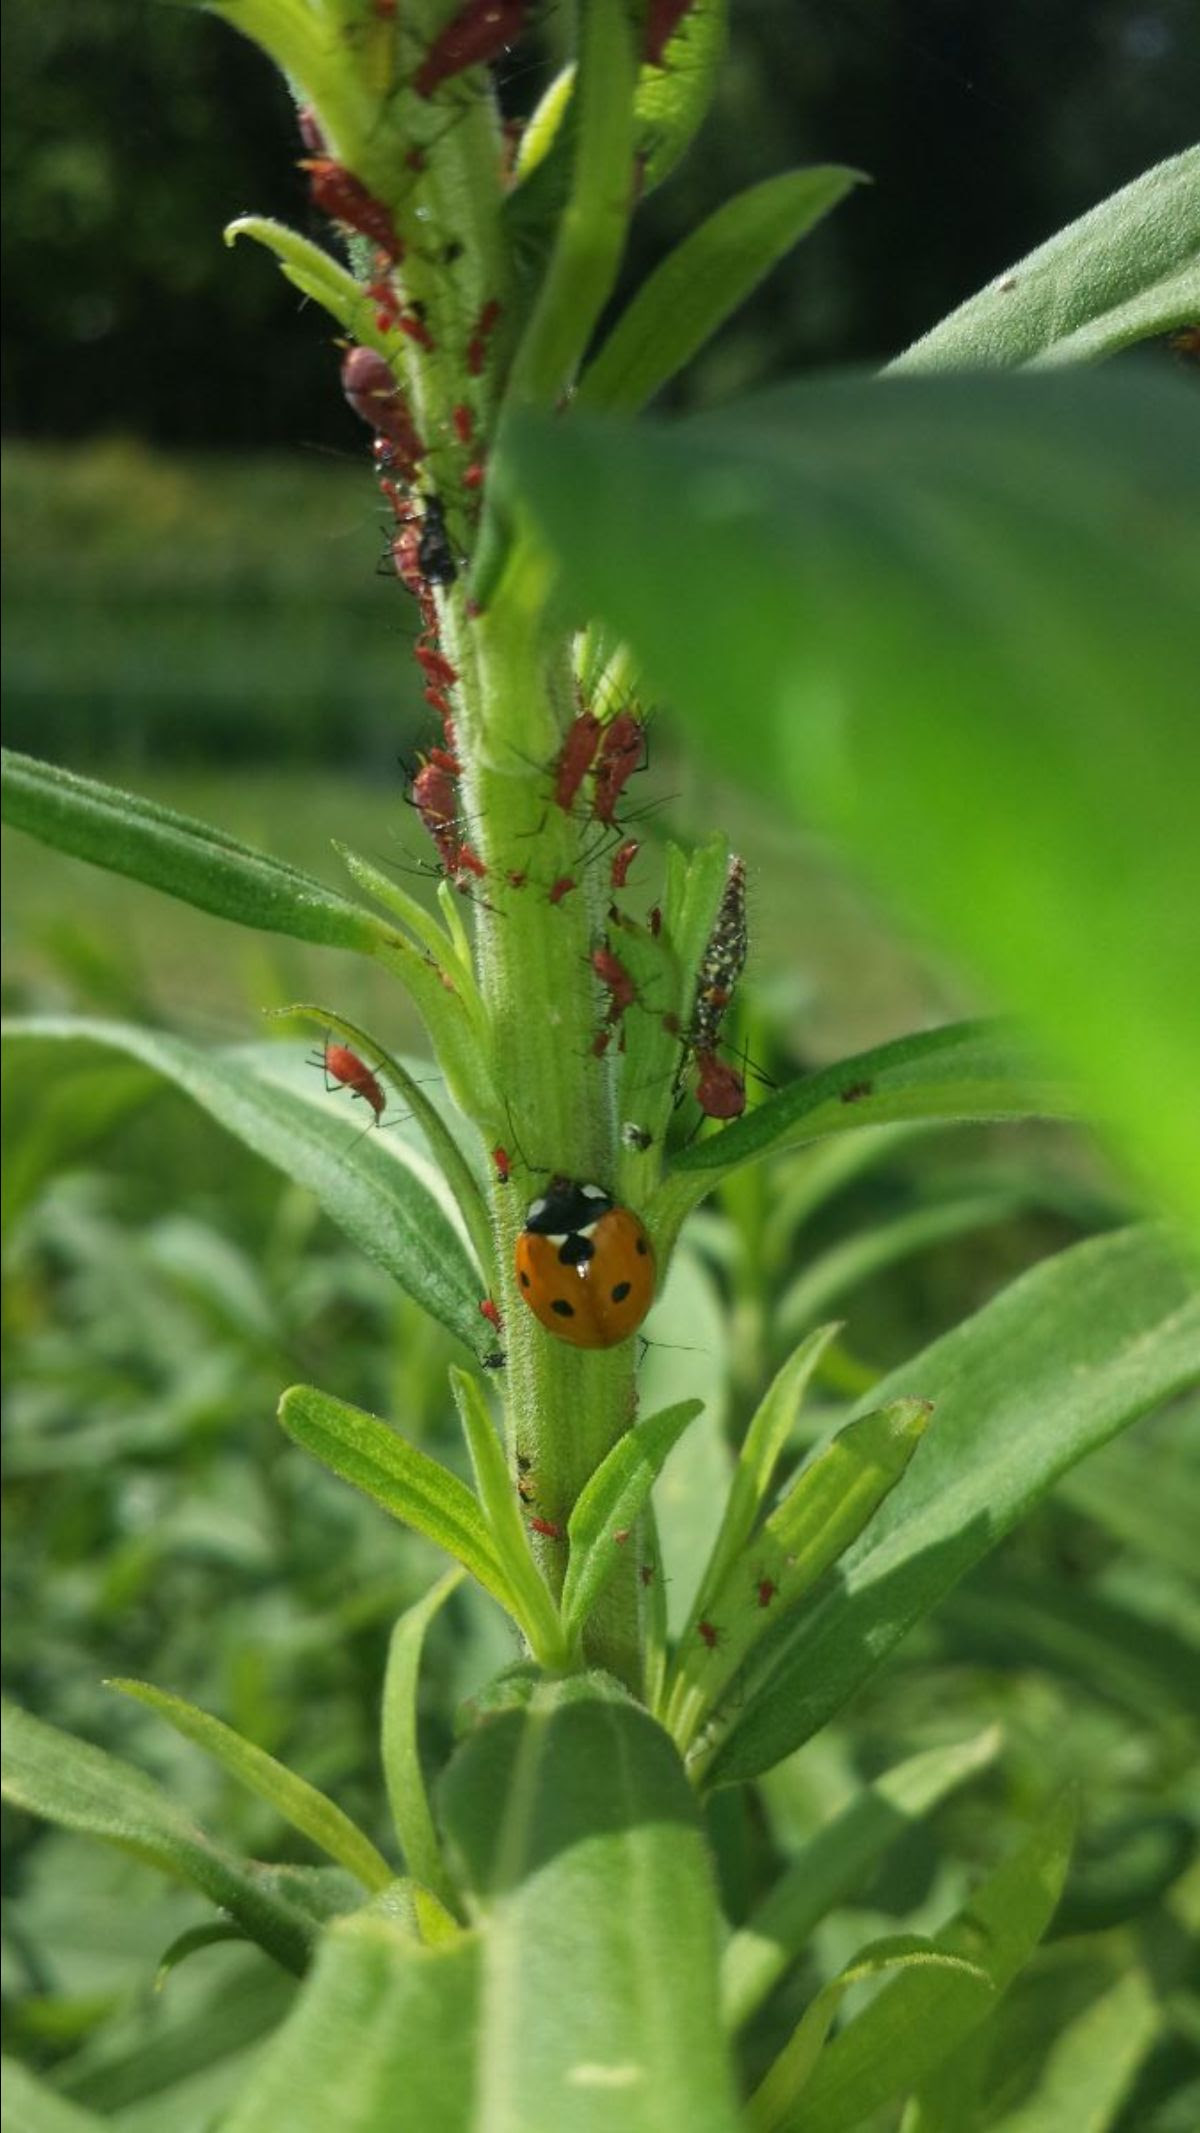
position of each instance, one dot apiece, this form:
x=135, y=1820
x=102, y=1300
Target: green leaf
x=965, y=1071
x=703, y=281
x=172, y=852
x=27, y=2105
x=673, y=99
x=835, y=1863
x=578, y=1834
x=298, y=1802
x=608, y=1507
x=773, y=2103
x=833, y=1497
x=1058, y=1363
x=919, y=2018
x=497, y=1492
x=765, y=1441
x=1129, y=268
x=316, y=275
x=833, y=1274
x=69, y=1782
x=363, y=1181
x=403, y=1776
x=1085, y=2078
x=380, y=2035
x=414, y=1488
x=976, y=630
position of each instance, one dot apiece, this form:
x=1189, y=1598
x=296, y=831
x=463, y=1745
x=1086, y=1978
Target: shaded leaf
x=834, y=1863
x=1056, y=1365
x=497, y=1493
x=69, y=1782
x=28, y=2105
x=976, y=611
x=919, y=2018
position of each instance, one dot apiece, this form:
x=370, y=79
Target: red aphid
x=476, y=356
x=518, y=878
x=654, y=921
x=622, y=1535
x=439, y=703
x=345, y=1070
x=619, y=756
x=575, y=758
x=663, y=18
x=445, y=761
x=406, y=557
x=622, y=860
x=474, y=475
x=547, y=1527
x=491, y=1312
x=467, y=861
x=336, y=192
x=720, y=1090
x=503, y=1165
x=489, y=317
x=709, y=1634
x=438, y=669
x=464, y=423
x=373, y=393
x=411, y=324
x=621, y=990
x=310, y=131
x=767, y=1589
x=646, y=1573
x=479, y=32
x=560, y=888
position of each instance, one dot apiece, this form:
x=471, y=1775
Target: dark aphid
x=377, y=400
x=434, y=554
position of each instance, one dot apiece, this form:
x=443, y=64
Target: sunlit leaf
x=1057, y=1364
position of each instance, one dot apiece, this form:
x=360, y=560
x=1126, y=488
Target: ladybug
x=584, y=1265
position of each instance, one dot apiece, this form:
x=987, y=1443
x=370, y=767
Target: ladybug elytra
x=584, y=1265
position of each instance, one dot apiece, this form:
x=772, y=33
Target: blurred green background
x=193, y=606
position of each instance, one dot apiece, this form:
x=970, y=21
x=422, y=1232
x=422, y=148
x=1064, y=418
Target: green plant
x=913, y=608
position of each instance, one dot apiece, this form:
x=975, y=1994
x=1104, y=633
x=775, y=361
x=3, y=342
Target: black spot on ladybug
x=642, y=1247
x=524, y=1281
x=621, y=1291
x=562, y=1308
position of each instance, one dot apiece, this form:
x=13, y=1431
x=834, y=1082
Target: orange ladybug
x=584, y=1265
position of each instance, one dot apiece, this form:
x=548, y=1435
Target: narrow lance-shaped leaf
x=67, y=1781
x=773, y=2104
x=965, y=1071
x=923, y=2014
x=403, y=1776
x=1057, y=1364
x=835, y=1863
x=538, y=1615
x=414, y=1488
x=703, y=281
x=762, y=1448
x=444, y=1148
x=1128, y=268
x=292, y=1797
x=578, y=1836
x=316, y=275
x=826, y=1508
x=175, y=853
x=609, y=1506
x=379, y=1202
